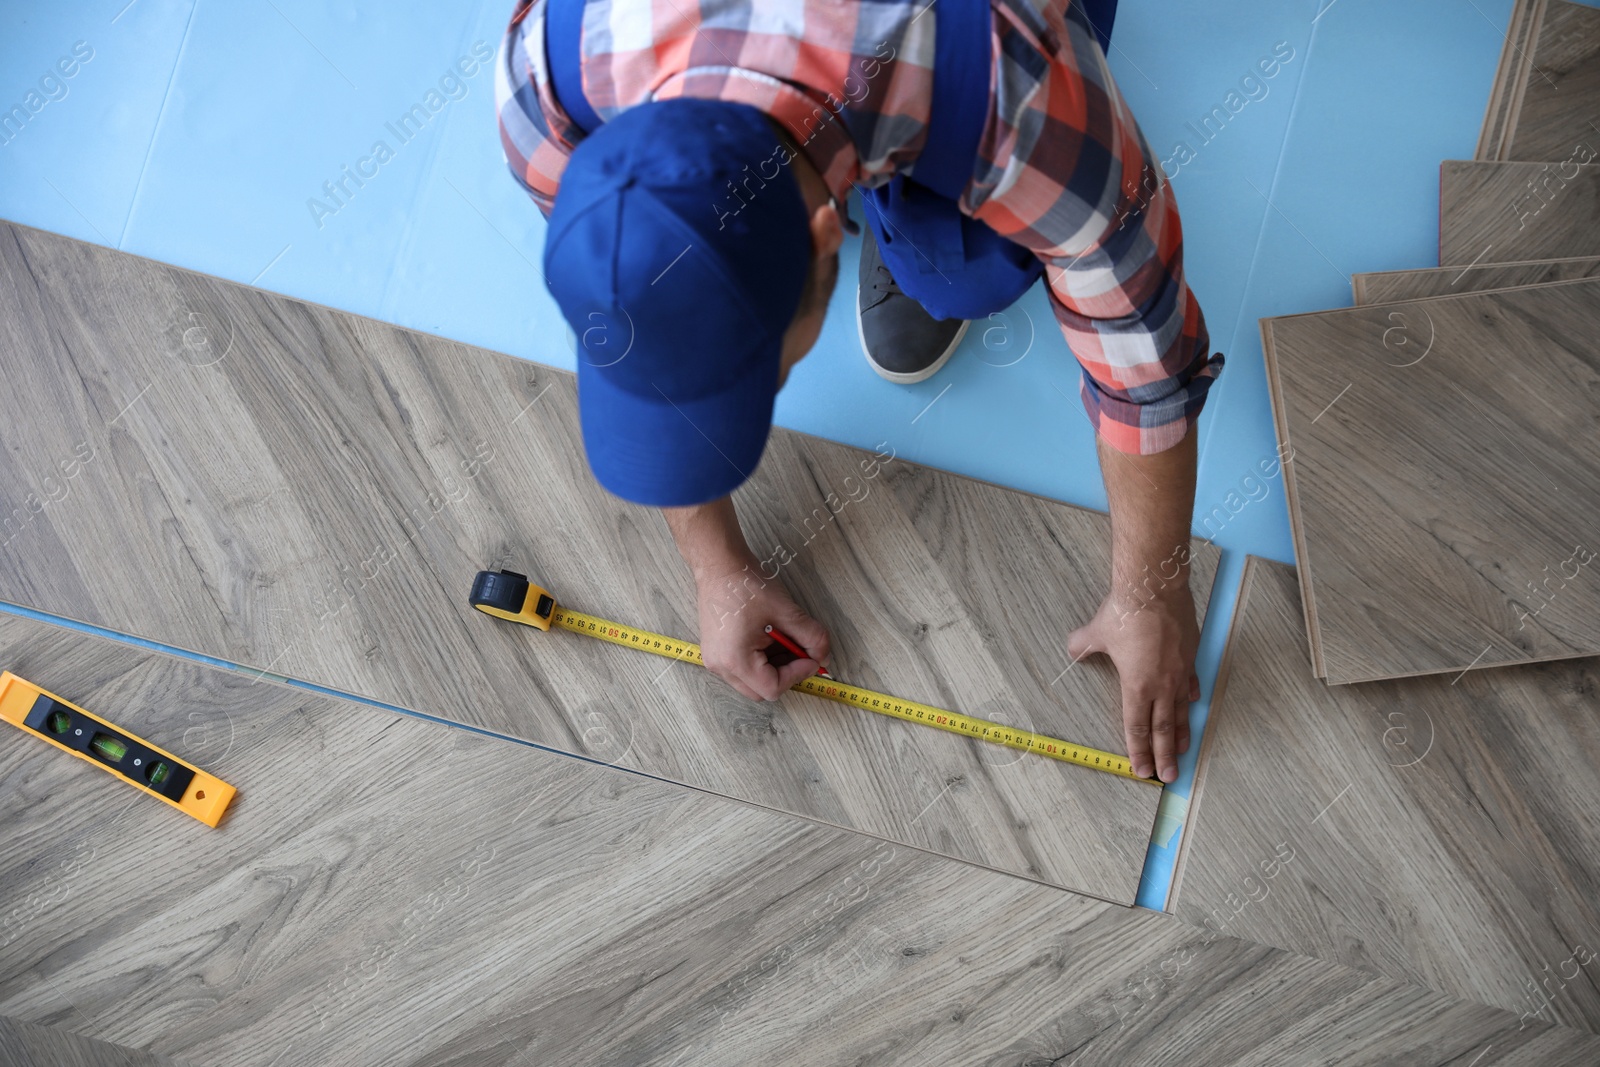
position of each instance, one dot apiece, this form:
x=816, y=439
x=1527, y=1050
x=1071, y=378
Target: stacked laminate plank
x=1546, y=84
x=1436, y=822
x=1445, y=431
x=1440, y=491
x=1560, y=98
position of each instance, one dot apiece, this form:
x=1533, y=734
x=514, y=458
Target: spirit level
x=133, y=759
x=509, y=595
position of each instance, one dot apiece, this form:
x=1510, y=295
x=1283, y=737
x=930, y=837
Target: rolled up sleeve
x=1137, y=330
x=1071, y=177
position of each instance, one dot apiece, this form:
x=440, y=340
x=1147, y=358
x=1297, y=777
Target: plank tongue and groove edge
x=1443, y=511
x=1383, y=287
x=1512, y=212
x=393, y=891
x=1559, y=105
x=310, y=493
x=1510, y=77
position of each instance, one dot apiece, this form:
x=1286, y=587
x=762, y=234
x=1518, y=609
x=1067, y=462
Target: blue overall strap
x=563, y=57
x=961, y=37
x=961, y=67
x=1099, y=14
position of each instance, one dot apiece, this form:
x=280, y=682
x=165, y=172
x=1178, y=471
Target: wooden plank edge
x=1511, y=664
x=1358, y=282
x=1302, y=554
x=1494, y=136
x=1517, y=90
x=1444, y=296
x=1201, y=760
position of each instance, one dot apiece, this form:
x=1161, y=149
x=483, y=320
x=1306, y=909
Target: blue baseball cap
x=678, y=257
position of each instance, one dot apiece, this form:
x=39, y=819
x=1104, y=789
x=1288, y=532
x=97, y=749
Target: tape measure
x=133, y=759
x=509, y=595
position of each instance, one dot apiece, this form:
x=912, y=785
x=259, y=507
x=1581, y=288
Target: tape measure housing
x=509, y=595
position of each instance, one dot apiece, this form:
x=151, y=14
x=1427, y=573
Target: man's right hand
x=738, y=603
x=736, y=606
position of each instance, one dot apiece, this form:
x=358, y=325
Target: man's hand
x=1152, y=643
x=738, y=601
x=736, y=606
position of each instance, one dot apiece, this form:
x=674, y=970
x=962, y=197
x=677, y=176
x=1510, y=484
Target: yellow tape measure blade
x=508, y=595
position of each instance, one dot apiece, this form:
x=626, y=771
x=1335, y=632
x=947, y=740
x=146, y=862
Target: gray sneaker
x=902, y=341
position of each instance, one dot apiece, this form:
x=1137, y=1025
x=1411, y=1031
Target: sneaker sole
x=908, y=377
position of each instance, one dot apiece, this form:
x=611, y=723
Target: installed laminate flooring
x=310, y=493
x=1444, y=510
x=1511, y=212
x=1510, y=79
x=26, y=1045
x=1442, y=833
x=1385, y=287
x=390, y=890
x=1559, y=106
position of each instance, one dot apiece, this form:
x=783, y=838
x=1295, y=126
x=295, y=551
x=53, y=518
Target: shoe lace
x=883, y=281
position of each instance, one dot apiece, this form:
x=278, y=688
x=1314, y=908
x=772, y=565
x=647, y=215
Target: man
x=702, y=152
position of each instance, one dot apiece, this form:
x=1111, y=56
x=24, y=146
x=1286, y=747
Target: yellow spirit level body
x=113, y=749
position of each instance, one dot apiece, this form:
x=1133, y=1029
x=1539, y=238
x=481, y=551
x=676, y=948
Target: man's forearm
x=1152, y=502
x=1146, y=623
x=708, y=537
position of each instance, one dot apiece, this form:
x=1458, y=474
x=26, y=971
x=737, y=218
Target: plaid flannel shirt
x=1062, y=169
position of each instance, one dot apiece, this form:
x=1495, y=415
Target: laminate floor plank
x=1440, y=833
x=1384, y=287
x=1510, y=79
x=26, y=1045
x=1559, y=106
x=1443, y=506
x=1512, y=212
x=310, y=493
x=390, y=890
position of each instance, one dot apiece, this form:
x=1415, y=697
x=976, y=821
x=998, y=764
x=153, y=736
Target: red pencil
x=788, y=643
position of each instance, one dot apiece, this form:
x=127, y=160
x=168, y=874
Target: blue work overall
x=954, y=266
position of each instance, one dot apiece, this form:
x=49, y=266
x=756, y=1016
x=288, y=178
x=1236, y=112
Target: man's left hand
x=1152, y=643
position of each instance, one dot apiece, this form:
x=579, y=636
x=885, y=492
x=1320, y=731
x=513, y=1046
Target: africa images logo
x=452, y=87
x=52, y=85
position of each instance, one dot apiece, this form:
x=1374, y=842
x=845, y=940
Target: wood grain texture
x=1383, y=287
x=1444, y=511
x=310, y=493
x=1511, y=212
x=1559, y=106
x=26, y=1045
x=1442, y=834
x=389, y=890
x=1510, y=79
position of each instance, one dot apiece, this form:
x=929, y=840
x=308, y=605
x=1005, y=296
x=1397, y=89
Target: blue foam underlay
x=202, y=133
